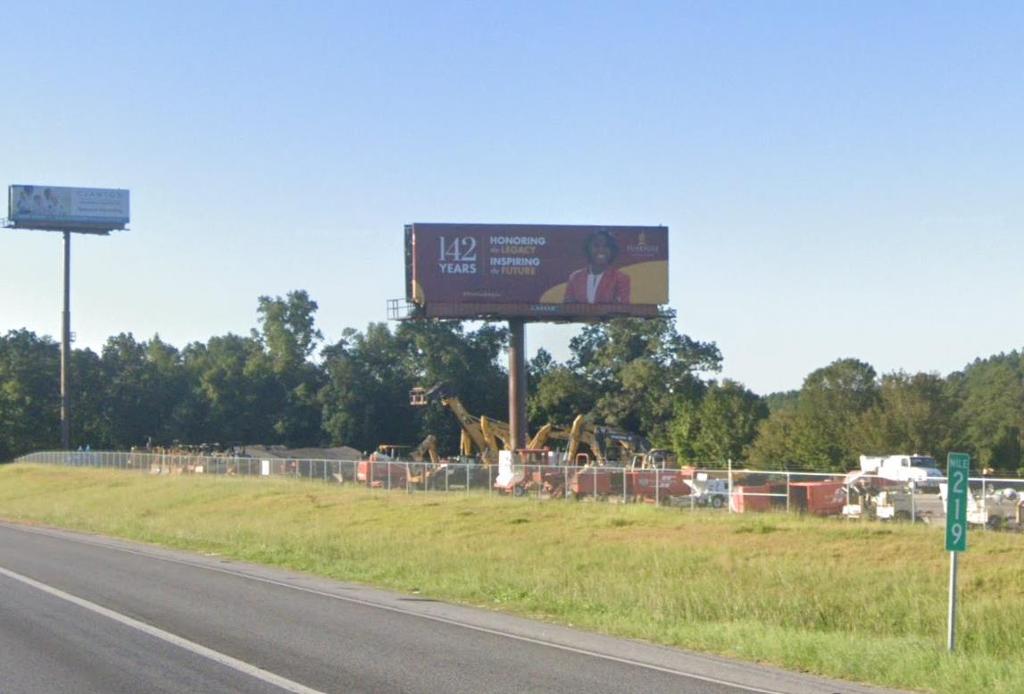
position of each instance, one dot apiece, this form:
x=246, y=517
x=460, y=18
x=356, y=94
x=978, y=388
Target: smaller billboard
x=96, y=210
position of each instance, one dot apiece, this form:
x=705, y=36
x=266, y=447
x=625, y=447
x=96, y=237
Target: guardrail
x=992, y=502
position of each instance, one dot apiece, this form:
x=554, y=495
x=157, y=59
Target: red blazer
x=612, y=289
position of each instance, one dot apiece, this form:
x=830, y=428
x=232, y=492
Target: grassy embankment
x=861, y=601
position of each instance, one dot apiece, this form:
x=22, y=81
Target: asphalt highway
x=87, y=614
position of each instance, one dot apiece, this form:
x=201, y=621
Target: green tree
x=720, y=427
x=990, y=418
x=129, y=413
x=538, y=367
x=641, y=368
x=234, y=391
x=831, y=400
x=288, y=329
x=819, y=433
x=289, y=336
x=29, y=393
x=173, y=394
x=783, y=400
x=144, y=394
x=778, y=445
x=366, y=398
x=366, y=395
x=914, y=414
x=88, y=389
x=561, y=394
x=467, y=362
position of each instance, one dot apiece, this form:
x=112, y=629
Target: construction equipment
x=392, y=451
x=606, y=444
x=647, y=475
x=655, y=476
x=919, y=469
x=427, y=448
x=713, y=492
x=535, y=467
x=384, y=468
x=481, y=432
x=442, y=474
x=887, y=500
x=989, y=506
x=651, y=476
x=486, y=435
x=533, y=470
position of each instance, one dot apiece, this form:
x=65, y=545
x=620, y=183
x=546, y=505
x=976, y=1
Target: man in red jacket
x=598, y=283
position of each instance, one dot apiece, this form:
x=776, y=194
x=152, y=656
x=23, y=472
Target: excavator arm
x=490, y=435
x=573, y=446
x=477, y=430
x=600, y=440
x=427, y=448
x=540, y=438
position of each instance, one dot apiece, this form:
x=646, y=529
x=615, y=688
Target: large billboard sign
x=96, y=210
x=541, y=272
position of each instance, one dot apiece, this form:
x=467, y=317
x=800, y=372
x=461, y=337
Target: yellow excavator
x=426, y=450
x=607, y=445
x=485, y=435
x=488, y=436
x=426, y=462
x=477, y=432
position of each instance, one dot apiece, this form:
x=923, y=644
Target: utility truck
x=885, y=486
x=919, y=469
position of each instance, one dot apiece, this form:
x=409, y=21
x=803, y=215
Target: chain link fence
x=992, y=503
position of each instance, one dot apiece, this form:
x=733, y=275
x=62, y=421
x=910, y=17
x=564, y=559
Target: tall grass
x=861, y=601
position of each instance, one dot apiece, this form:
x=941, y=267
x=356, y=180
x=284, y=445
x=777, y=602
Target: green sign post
x=958, y=470
x=958, y=467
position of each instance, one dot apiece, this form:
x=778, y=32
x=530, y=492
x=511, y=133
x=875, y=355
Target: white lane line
x=453, y=622
x=251, y=670
x=391, y=608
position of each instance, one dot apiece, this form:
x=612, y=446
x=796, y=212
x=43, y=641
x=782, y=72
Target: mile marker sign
x=957, y=470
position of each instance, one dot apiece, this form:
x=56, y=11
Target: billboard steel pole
x=65, y=349
x=67, y=210
x=517, y=383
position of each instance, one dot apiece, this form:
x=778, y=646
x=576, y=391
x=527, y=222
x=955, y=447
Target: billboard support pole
x=517, y=383
x=65, y=349
x=67, y=210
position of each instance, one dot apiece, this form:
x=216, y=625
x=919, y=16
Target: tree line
x=281, y=385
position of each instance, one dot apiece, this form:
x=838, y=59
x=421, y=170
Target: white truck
x=919, y=469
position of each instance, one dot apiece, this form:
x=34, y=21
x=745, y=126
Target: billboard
x=541, y=272
x=96, y=210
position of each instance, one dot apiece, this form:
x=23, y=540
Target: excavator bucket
x=418, y=397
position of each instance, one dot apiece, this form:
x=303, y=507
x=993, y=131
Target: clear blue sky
x=839, y=179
